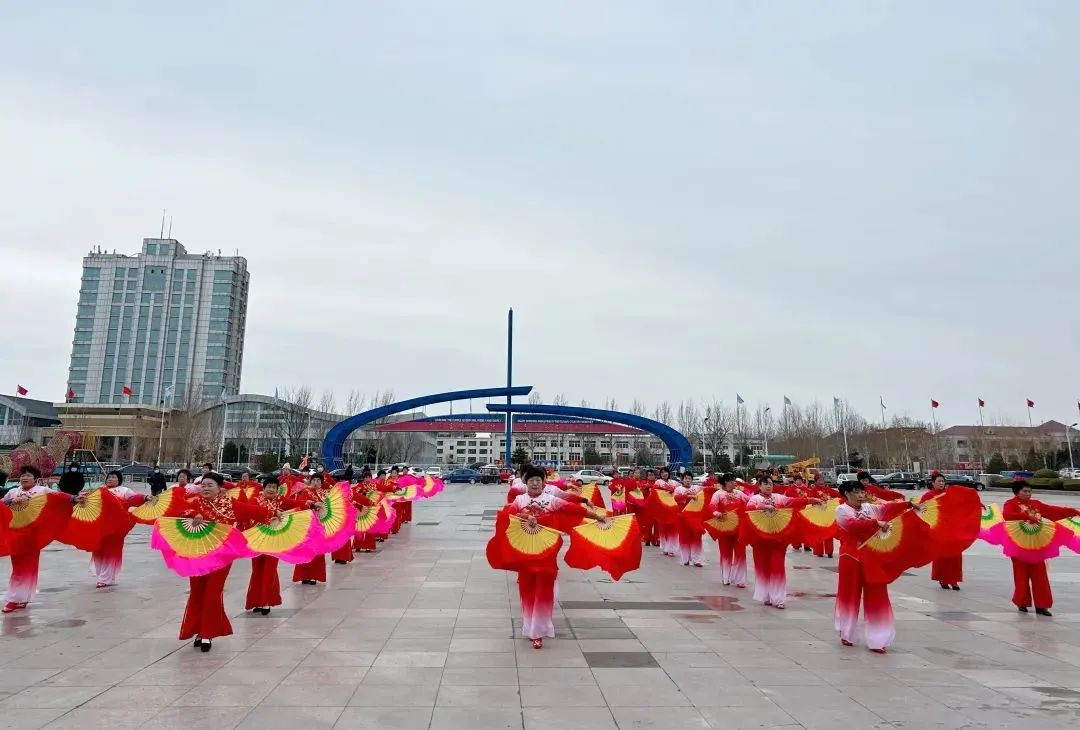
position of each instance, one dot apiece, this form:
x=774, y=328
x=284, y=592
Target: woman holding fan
x=1030, y=582
x=537, y=587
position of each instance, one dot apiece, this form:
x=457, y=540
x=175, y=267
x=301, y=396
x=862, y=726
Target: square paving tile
x=620, y=659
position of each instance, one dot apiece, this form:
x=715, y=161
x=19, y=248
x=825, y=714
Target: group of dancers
x=867, y=519
x=28, y=524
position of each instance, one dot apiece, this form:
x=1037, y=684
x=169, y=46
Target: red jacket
x=1033, y=509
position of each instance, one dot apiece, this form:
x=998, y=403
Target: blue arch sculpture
x=334, y=443
x=682, y=453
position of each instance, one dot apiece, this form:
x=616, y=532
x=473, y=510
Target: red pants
x=264, y=589
x=405, y=510
x=315, y=570
x=851, y=590
x=690, y=538
x=107, y=560
x=343, y=553
x=824, y=548
x=732, y=561
x=948, y=570
x=770, y=573
x=537, y=592
x=204, y=615
x=24, y=577
x=364, y=541
x=1029, y=579
x=650, y=532
x=397, y=519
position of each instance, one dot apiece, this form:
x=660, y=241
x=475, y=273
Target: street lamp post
x=1068, y=440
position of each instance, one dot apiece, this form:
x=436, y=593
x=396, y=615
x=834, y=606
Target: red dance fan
x=778, y=525
x=99, y=515
x=817, y=522
x=614, y=547
x=37, y=521
x=169, y=503
x=337, y=515
x=5, y=522
x=906, y=543
x=518, y=546
x=696, y=509
x=661, y=506
x=727, y=525
x=635, y=497
x=591, y=494
x=954, y=519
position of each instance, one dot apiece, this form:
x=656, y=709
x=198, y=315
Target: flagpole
x=933, y=420
x=981, y=414
x=224, y=423
x=1029, y=417
x=884, y=430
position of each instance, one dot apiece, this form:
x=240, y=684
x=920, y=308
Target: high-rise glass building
x=167, y=324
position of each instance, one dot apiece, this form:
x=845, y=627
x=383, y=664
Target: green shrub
x=1071, y=484
x=1042, y=483
x=1046, y=474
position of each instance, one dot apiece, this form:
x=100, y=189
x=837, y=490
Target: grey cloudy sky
x=679, y=199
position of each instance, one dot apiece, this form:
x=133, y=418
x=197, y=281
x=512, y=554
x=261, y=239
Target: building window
x=574, y=444
x=438, y=443
x=460, y=443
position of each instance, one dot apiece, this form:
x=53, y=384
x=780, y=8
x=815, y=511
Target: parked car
x=416, y=471
x=608, y=471
x=505, y=475
x=903, y=480
x=849, y=476
x=472, y=476
x=590, y=476
x=434, y=471
x=963, y=480
x=489, y=474
x=1068, y=473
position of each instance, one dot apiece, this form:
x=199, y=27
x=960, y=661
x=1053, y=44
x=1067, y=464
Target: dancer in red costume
x=821, y=490
x=690, y=532
x=732, y=549
x=24, y=564
x=183, y=479
x=264, y=588
x=799, y=490
x=314, y=571
x=858, y=521
x=874, y=493
x=537, y=588
x=650, y=531
x=1030, y=582
x=669, y=533
x=362, y=495
x=204, y=615
x=770, y=569
x=107, y=560
x=948, y=571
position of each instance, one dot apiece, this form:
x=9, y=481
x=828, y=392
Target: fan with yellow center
x=191, y=547
x=96, y=515
x=727, y=525
x=37, y=521
x=953, y=519
x=517, y=545
x=661, y=506
x=817, y=522
x=337, y=516
x=905, y=543
x=169, y=503
x=613, y=546
x=1033, y=542
x=772, y=526
x=990, y=518
x=366, y=517
x=289, y=537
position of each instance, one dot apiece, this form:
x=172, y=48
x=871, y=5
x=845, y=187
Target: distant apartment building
x=163, y=323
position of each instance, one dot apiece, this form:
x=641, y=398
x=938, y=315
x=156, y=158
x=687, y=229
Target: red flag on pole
x=1031, y=403
x=982, y=403
x=21, y=390
x=934, y=403
x=126, y=390
x=70, y=393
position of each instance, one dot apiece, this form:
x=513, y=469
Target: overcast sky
x=680, y=200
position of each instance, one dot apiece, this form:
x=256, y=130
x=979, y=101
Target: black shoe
x=955, y=587
x=256, y=609
x=205, y=645
x=829, y=555
x=1043, y=612
x=944, y=586
x=265, y=611
x=198, y=643
x=340, y=562
x=1022, y=609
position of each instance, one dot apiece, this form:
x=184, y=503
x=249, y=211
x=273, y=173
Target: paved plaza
x=424, y=635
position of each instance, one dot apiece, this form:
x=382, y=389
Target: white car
x=1069, y=473
x=416, y=471
x=590, y=476
x=434, y=471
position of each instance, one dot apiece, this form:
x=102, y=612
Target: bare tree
x=380, y=400
x=535, y=398
x=585, y=403
x=327, y=402
x=295, y=407
x=611, y=405
x=355, y=402
x=559, y=400
x=663, y=414
x=639, y=409
x=688, y=419
x=718, y=424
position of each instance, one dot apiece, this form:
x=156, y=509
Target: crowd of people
x=671, y=513
x=210, y=497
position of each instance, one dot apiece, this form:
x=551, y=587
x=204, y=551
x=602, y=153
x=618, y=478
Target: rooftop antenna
x=170, y=227
x=162, y=234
